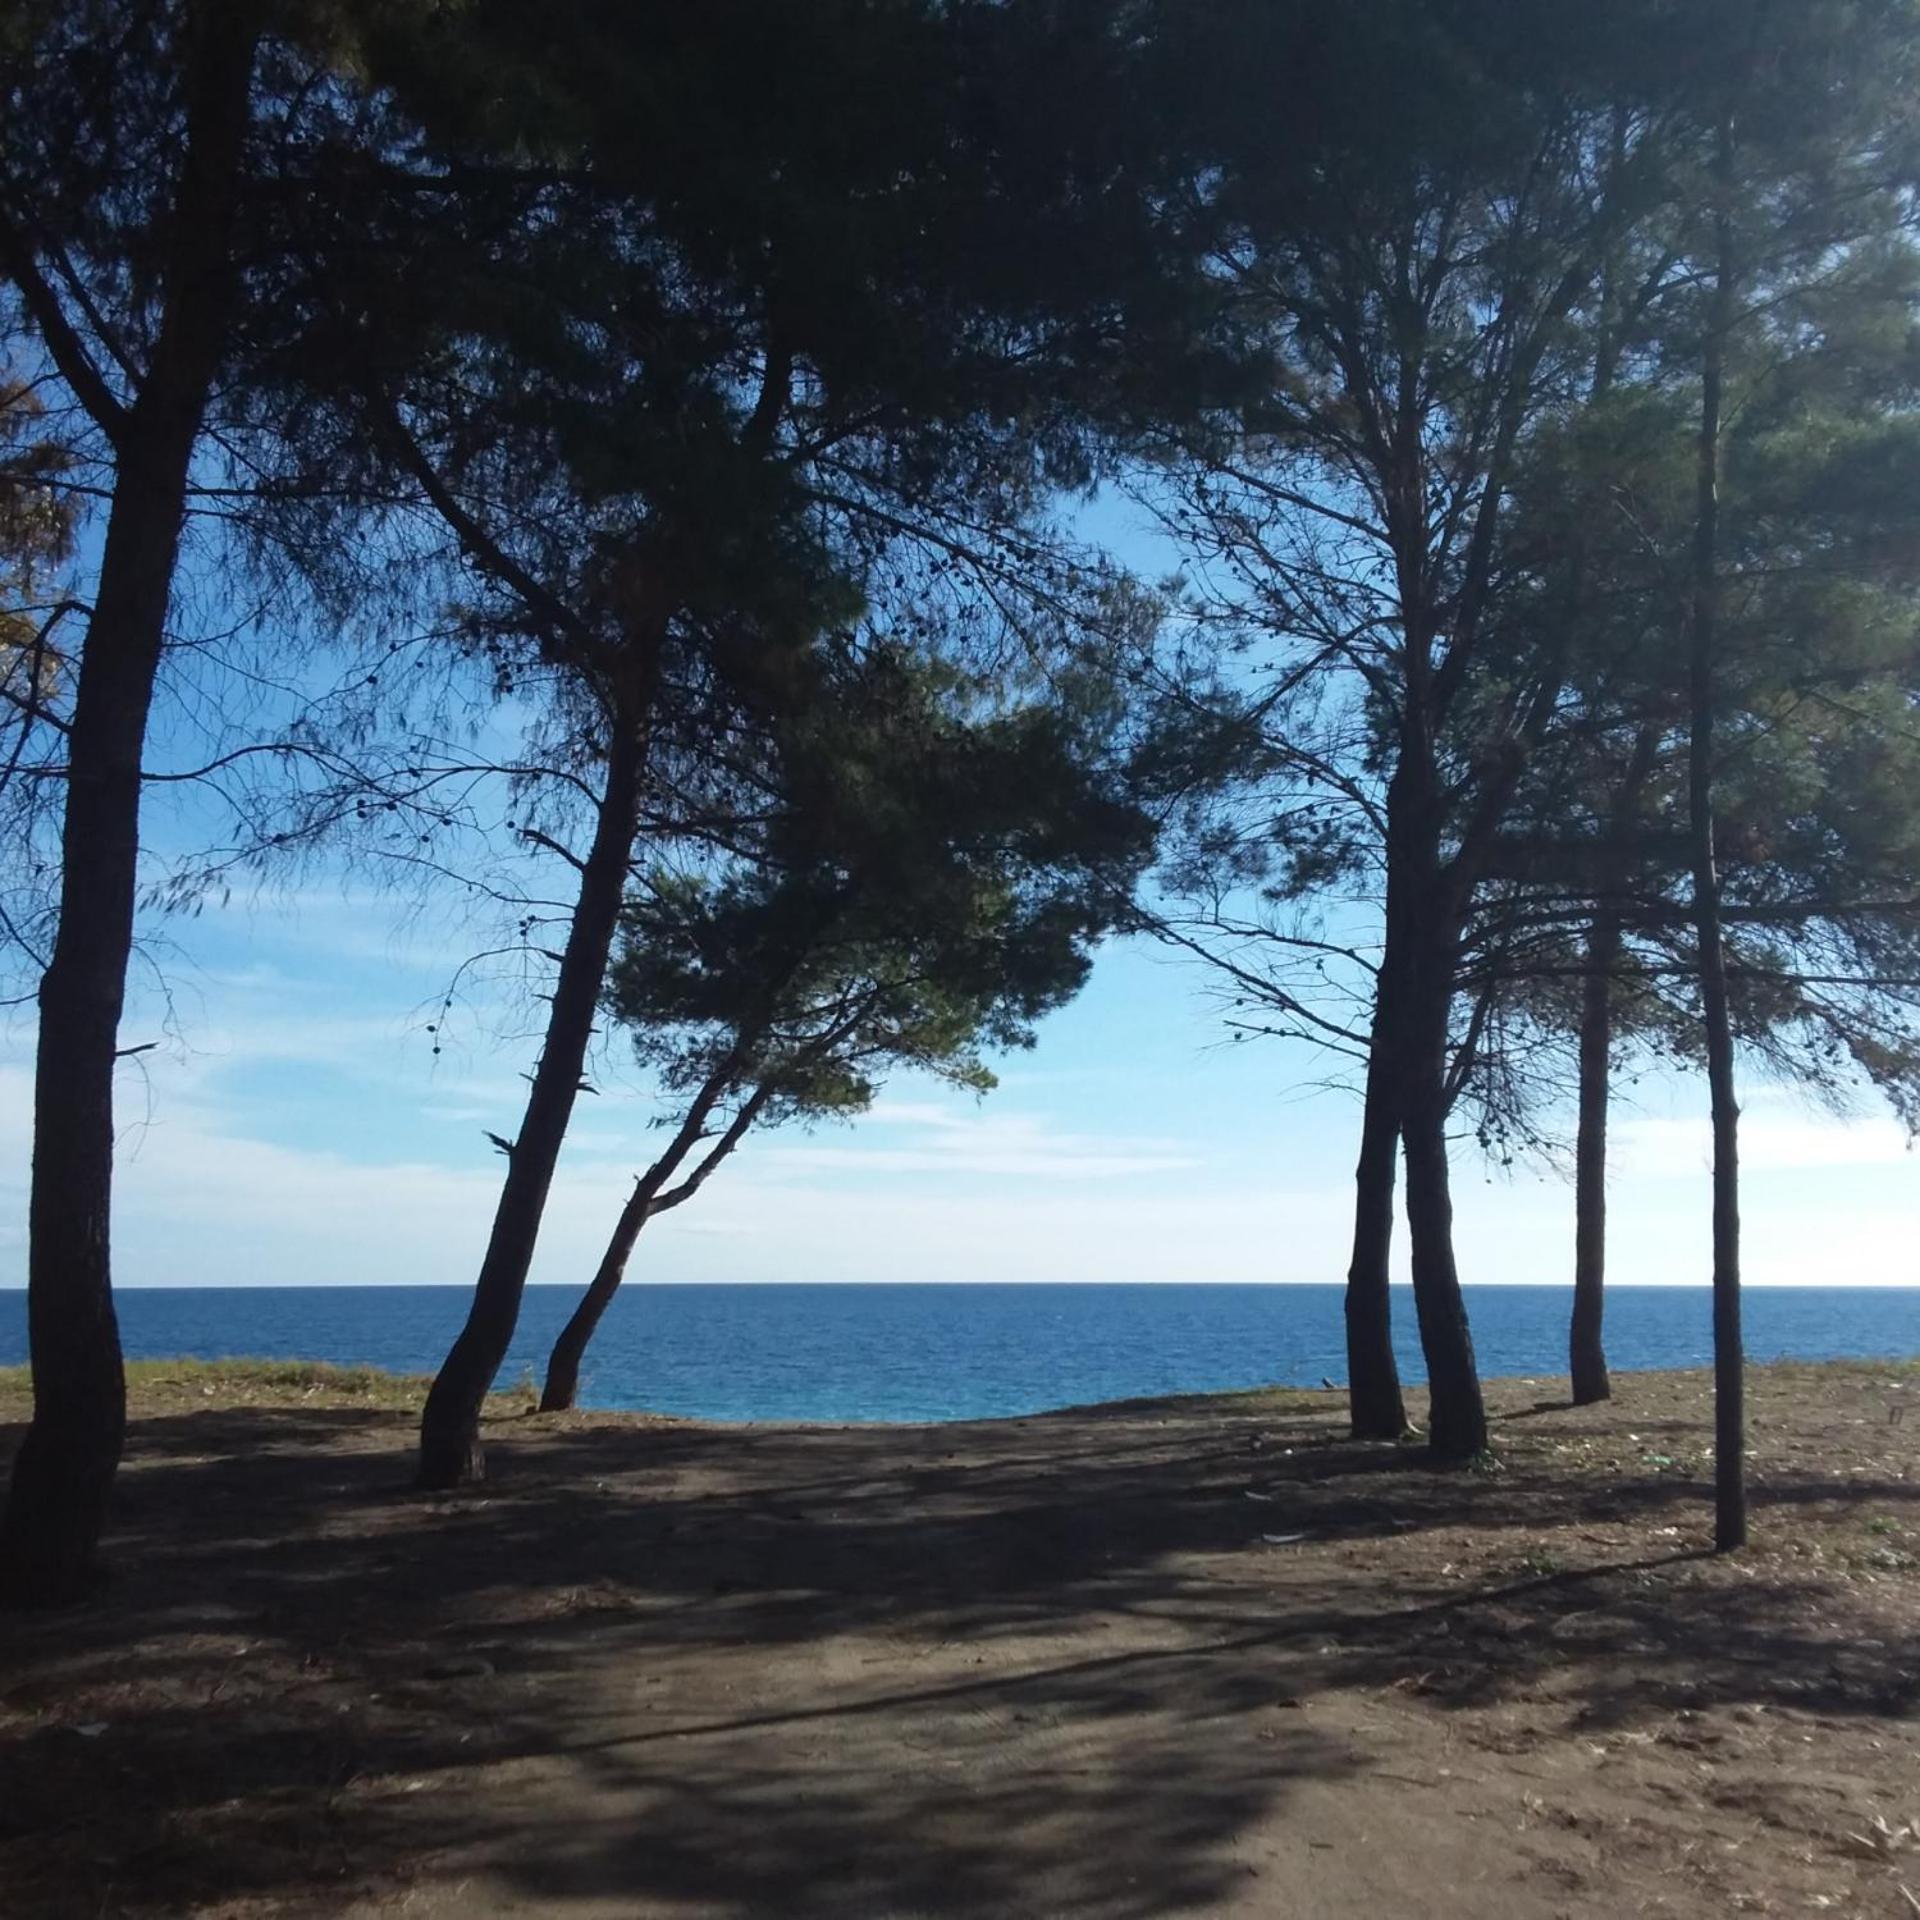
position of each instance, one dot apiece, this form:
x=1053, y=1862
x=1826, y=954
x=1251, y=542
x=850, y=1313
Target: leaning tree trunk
x=1373, y=1375
x=1729, y=1361
x=63, y=1475
x=652, y=1195
x=450, y=1453
x=563, y=1364
x=1587, y=1351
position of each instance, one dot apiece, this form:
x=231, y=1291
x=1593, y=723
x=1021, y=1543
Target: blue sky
x=295, y=1127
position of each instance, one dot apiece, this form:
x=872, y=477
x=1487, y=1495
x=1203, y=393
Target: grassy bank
x=176, y=1386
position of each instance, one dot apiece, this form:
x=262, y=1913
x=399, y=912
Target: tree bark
x=563, y=1364
x=1423, y=946
x=1587, y=1351
x=1586, y=1347
x=651, y=1195
x=1729, y=1363
x=1373, y=1376
x=450, y=1451
x=63, y=1475
x=1457, y=1416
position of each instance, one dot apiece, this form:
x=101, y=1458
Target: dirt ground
x=1186, y=1657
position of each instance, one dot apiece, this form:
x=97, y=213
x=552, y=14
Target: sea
x=964, y=1352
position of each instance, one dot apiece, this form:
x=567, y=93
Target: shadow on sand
x=1052, y=1665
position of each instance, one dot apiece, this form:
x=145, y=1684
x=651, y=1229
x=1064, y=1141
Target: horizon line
x=1398, y=1286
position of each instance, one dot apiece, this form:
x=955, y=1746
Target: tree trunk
x=63, y=1475
x=57, y=1502
x=450, y=1453
x=1587, y=1351
x=1373, y=1376
x=652, y=1195
x=1457, y=1417
x=563, y=1364
x=1729, y=1364
x=1423, y=945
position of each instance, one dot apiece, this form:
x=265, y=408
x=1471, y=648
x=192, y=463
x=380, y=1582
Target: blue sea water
x=797, y=1352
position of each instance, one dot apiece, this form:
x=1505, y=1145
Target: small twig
x=534, y=838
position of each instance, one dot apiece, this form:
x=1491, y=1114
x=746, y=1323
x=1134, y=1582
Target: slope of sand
x=1186, y=1657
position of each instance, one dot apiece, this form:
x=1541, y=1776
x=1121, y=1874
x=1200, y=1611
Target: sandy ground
x=1188, y=1657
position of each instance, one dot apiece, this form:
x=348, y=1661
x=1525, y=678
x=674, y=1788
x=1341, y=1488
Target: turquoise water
x=966, y=1352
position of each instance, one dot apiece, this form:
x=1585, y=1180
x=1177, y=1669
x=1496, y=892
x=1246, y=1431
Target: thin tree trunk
x=563, y=1364
x=63, y=1475
x=450, y=1452
x=1373, y=1376
x=1729, y=1365
x=647, y=1199
x=1587, y=1350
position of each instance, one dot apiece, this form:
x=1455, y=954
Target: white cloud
x=980, y=1141
x=201, y=1202
x=390, y=1181
x=1773, y=1139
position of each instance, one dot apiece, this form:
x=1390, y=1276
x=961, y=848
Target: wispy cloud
x=1772, y=1140
x=205, y=1200
x=961, y=1140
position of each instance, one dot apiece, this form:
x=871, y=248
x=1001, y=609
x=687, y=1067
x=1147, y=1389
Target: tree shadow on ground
x=1055, y=1665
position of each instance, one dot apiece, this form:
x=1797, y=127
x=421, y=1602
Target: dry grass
x=158, y=1387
